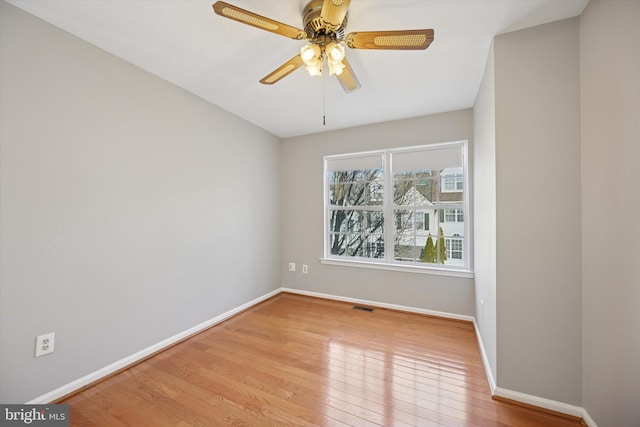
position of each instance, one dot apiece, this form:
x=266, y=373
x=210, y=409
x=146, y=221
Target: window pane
x=374, y=222
x=375, y=191
x=356, y=233
x=427, y=190
x=357, y=245
x=375, y=246
x=423, y=224
x=452, y=185
x=403, y=192
x=345, y=221
x=404, y=248
x=403, y=221
x=414, y=188
x=454, y=250
x=411, y=234
x=356, y=187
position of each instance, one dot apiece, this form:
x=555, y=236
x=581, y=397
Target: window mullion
x=389, y=225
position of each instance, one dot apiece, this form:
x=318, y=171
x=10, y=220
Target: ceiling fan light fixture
x=310, y=54
x=335, y=52
x=335, y=68
x=314, y=70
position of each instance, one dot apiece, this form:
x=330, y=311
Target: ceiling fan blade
x=237, y=14
x=400, y=40
x=282, y=71
x=348, y=78
x=333, y=12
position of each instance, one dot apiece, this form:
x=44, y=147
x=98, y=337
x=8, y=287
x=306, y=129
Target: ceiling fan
x=324, y=23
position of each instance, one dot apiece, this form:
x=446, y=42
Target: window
x=454, y=248
x=355, y=225
x=453, y=182
x=400, y=207
x=451, y=215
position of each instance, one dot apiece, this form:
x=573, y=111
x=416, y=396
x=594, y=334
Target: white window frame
x=388, y=262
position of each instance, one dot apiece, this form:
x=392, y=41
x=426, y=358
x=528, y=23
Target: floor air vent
x=359, y=307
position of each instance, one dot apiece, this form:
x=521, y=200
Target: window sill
x=468, y=274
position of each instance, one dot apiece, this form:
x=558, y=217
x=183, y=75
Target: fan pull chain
x=324, y=101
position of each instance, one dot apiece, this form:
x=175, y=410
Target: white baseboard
x=130, y=360
x=552, y=405
x=485, y=360
x=540, y=402
x=380, y=304
x=588, y=420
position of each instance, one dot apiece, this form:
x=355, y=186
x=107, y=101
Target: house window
x=394, y=207
x=454, y=248
x=453, y=182
x=452, y=215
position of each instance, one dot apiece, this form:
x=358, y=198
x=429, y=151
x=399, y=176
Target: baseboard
x=550, y=406
x=539, y=402
x=408, y=309
x=121, y=364
x=587, y=420
x=485, y=360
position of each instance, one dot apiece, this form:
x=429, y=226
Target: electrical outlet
x=482, y=309
x=305, y=269
x=292, y=266
x=44, y=344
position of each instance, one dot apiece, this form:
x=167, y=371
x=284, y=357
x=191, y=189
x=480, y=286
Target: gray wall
x=302, y=216
x=610, y=80
x=538, y=242
x=121, y=223
x=484, y=136
x=131, y=210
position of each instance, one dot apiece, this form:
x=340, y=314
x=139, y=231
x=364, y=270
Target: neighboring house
x=414, y=226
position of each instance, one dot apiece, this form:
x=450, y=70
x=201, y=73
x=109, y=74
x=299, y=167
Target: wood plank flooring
x=302, y=361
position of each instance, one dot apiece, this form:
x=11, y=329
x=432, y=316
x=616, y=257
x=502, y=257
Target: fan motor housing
x=315, y=27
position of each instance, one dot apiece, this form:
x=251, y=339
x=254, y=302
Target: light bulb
x=336, y=68
x=310, y=53
x=314, y=69
x=335, y=52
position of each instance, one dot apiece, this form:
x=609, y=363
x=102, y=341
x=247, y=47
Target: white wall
x=130, y=209
x=538, y=246
x=610, y=81
x=302, y=216
x=484, y=135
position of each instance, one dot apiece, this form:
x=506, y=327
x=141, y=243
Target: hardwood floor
x=296, y=360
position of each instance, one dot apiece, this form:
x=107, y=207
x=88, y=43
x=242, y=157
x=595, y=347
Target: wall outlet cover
x=44, y=344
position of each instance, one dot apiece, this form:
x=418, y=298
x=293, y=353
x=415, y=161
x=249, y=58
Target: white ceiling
x=220, y=60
